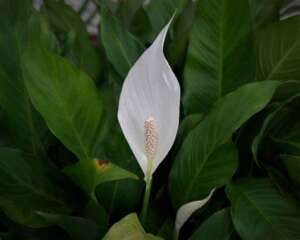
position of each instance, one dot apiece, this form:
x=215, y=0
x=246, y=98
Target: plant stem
x=146, y=201
x=148, y=180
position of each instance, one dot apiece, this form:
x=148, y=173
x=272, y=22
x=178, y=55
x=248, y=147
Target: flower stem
x=146, y=201
x=148, y=180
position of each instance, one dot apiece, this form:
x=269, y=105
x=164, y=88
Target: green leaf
x=89, y=174
x=278, y=48
x=290, y=143
x=264, y=12
x=122, y=48
x=218, y=226
x=129, y=228
x=198, y=167
x=186, y=126
x=176, y=50
x=24, y=191
x=66, y=98
x=260, y=212
x=292, y=164
x=127, y=10
x=15, y=13
x=279, y=122
x=141, y=26
x=220, y=57
x=19, y=117
x=117, y=200
x=202, y=174
x=80, y=51
x=78, y=228
x=160, y=12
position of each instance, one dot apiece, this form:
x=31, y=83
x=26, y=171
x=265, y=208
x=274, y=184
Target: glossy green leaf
x=186, y=126
x=160, y=12
x=66, y=98
x=141, y=26
x=79, y=49
x=122, y=48
x=260, y=212
x=198, y=167
x=220, y=57
x=89, y=174
x=177, y=48
x=127, y=10
x=290, y=143
x=78, y=228
x=199, y=178
x=278, y=50
x=116, y=198
x=278, y=124
x=129, y=228
x=265, y=12
x=24, y=190
x=292, y=164
x=218, y=226
x=19, y=117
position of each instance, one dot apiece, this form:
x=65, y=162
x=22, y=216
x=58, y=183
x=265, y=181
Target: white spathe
x=186, y=210
x=150, y=90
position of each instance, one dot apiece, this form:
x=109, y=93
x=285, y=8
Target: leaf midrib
x=261, y=213
x=221, y=49
x=282, y=60
x=69, y=119
x=37, y=191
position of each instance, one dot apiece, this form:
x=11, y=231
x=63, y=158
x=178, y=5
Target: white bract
x=149, y=106
x=186, y=210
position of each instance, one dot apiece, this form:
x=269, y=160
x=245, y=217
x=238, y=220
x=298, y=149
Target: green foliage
x=198, y=164
x=122, y=48
x=25, y=191
x=218, y=226
x=129, y=227
x=259, y=211
x=220, y=55
x=66, y=170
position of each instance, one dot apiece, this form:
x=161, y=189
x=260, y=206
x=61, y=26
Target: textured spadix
x=149, y=105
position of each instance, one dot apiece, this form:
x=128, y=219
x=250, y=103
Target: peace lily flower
x=149, y=109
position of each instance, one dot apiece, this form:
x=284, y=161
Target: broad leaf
x=218, y=226
x=186, y=126
x=116, y=198
x=278, y=124
x=220, y=57
x=202, y=174
x=260, y=212
x=78, y=228
x=122, y=48
x=66, y=98
x=24, y=191
x=292, y=164
x=19, y=118
x=279, y=50
x=79, y=48
x=203, y=162
x=89, y=174
x=177, y=48
x=290, y=143
x=128, y=228
x=264, y=12
x=160, y=12
x=127, y=10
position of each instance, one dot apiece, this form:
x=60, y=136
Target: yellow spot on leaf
x=102, y=165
